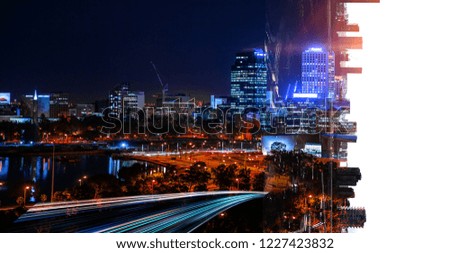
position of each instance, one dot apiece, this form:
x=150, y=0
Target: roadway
x=177, y=212
x=251, y=159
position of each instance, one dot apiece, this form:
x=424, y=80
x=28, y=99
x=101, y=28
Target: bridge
x=161, y=213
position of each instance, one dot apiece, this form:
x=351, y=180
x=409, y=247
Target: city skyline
x=251, y=140
x=358, y=163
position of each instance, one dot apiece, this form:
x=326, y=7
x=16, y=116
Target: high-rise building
x=318, y=81
x=249, y=80
x=82, y=110
x=129, y=103
x=317, y=74
x=43, y=105
x=59, y=105
x=140, y=96
x=35, y=106
x=116, y=98
x=124, y=101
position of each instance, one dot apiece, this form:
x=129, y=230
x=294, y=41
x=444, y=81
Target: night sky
x=87, y=47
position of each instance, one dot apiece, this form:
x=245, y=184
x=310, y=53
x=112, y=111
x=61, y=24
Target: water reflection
x=35, y=171
x=4, y=163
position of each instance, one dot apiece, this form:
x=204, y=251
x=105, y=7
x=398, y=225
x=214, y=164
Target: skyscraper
x=317, y=74
x=129, y=103
x=35, y=106
x=59, y=104
x=124, y=101
x=249, y=80
x=116, y=98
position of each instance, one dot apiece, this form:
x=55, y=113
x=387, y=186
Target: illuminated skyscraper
x=249, y=80
x=317, y=74
x=116, y=98
x=124, y=101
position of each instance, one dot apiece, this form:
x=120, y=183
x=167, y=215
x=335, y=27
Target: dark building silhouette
x=59, y=104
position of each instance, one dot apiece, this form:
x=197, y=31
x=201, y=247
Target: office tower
x=129, y=103
x=116, y=98
x=140, y=96
x=124, y=101
x=317, y=74
x=59, y=104
x=249, y=80
x=35, y=106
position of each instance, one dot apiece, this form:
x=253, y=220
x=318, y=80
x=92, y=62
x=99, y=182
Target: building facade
x=124, y=101
x=35, y=106
x=249, y=80
x=317, y=74
x=59, y=105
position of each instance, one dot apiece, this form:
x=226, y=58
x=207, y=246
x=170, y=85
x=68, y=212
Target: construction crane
x=164, y=87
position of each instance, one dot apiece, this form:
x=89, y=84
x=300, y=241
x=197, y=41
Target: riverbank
x=58, y=149
x=251, y=160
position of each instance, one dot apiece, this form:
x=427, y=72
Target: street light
x=153, y=181
x=81, y=179
x=25, y=194
x=237, y=180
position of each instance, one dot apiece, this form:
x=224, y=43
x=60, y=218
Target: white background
x=400, y=104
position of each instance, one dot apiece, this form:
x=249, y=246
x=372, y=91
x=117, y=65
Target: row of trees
x=87, y=128
x=94, y=127
x=136, y=180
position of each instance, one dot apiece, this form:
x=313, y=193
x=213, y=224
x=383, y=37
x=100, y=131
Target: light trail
x=176, y=212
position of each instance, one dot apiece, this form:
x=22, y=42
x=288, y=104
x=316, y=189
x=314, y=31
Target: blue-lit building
x=317, y=73
x=318, y=78
x=249, y=80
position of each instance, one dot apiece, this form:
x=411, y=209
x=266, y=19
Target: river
x=18, y=172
